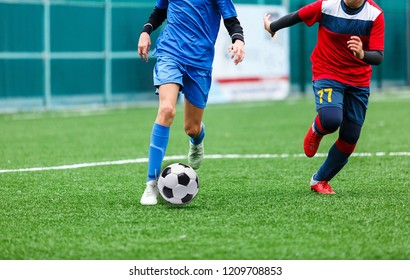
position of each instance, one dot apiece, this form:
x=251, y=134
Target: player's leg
x=168, y=95
x=329, y=96
x=330, y=118
x=340, y=152
x=328, y=93
x=356, y=101
x=197, y=84
x=326, y=122
x=196, y=131
x=168, y=80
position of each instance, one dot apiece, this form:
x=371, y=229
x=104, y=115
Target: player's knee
x=167, y=113
x=331, y=122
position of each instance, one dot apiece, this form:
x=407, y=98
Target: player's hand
x=356, y=46
x=237, y=51
x=266, y=23
x=144, y=45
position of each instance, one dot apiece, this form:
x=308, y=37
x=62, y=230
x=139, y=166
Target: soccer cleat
x=195, y=155
x=322, y=187
x=311, y=142
x=149, y=197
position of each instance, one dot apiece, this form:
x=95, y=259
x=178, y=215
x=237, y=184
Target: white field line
x=181, y=157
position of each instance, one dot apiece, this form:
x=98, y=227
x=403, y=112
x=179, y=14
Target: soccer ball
x=178, y=183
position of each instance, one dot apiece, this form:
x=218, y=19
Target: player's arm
x=283, y=22
x=309, y=14
x=235, y=30
x=373, y=57
x=375, y=54
x=157, y=17
x=370, y=57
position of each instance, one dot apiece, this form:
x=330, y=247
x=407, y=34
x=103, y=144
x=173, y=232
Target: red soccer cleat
x=311, y=142
x=322, y=187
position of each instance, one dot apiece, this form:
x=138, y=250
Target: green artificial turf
x=246, y=209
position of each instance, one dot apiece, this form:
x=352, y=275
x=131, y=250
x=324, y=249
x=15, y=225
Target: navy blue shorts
x=195, y=83
x=351, y=99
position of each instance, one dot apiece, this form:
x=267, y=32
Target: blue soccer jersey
x=191, y=30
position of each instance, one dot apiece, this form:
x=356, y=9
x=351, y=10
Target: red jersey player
x=350, y=40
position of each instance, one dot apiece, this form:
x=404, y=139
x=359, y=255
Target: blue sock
x=334, y=162
x=157, y=149
x=198, y=140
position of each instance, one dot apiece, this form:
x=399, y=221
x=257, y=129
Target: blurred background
x=57, y=53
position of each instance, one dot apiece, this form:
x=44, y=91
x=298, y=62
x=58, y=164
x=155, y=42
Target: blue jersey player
x=185, y=53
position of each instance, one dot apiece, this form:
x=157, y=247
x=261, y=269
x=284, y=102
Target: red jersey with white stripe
x=331, y=58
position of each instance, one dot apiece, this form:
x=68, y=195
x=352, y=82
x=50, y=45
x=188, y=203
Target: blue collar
x=351, y=11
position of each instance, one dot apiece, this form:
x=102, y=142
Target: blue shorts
x=351, y=99
x=195, y=83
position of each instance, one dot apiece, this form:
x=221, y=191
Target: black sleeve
x=373, y=57
x=234, y=29
x=285, y=21
x=157, y=17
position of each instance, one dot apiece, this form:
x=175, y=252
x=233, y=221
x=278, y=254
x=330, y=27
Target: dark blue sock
x=198, y=140
x=333, y=164
x=157, y=149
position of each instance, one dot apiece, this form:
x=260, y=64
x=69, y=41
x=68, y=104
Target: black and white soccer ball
x=178, y=183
